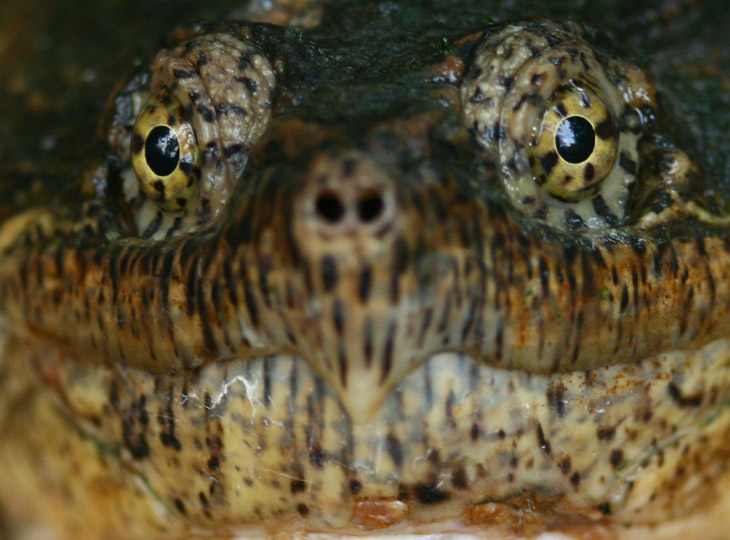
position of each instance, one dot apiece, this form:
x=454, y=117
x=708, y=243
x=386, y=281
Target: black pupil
x=575, y=139
x=162, y=151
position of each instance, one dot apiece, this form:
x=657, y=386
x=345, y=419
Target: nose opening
x=370, y=206
x=329, y=207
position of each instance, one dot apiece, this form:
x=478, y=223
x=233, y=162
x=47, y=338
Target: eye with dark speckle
x=193, y=123
x=572, y=157
x=558, y=128
x=164, y=152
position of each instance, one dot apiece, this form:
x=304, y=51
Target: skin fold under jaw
x=299, y=298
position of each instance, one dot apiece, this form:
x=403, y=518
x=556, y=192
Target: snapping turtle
x=392, y=268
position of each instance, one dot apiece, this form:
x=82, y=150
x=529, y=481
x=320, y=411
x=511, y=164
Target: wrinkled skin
x=355, y=318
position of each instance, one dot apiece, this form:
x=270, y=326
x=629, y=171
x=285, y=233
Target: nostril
x=330, y=207
x=369, y=206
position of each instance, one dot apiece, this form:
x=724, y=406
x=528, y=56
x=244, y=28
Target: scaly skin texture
x=364, y=314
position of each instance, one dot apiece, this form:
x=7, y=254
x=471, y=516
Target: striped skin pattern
x=359, y=330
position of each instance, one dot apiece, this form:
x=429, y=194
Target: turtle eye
x=576, y=145
x=164, y=152
x=562, y=123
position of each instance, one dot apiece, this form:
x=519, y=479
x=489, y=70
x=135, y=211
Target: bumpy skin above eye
x=519, y=76
x=224, y=85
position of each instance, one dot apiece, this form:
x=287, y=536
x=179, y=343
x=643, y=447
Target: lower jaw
x=263, y=445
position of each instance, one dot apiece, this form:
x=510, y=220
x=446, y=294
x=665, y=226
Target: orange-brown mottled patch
x=642, y=90
x=529, y=515
x=449, y=70
x=374, y=514
x=490, y=513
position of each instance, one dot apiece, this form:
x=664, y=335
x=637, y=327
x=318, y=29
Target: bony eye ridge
x=165, y=152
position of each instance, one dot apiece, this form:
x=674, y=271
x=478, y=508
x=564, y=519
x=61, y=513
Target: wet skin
x=365, y=292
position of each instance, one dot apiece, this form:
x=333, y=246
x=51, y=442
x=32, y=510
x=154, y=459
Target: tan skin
x=374, y=320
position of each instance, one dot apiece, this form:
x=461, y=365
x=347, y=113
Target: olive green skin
x=112, y=334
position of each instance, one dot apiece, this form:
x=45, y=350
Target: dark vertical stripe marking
x=388, y=352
